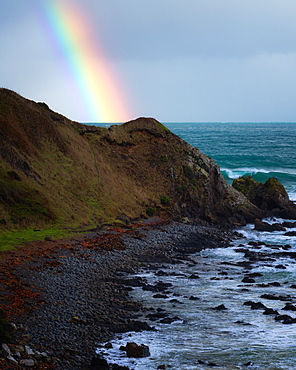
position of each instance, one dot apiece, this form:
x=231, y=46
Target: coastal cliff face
x=53, y=170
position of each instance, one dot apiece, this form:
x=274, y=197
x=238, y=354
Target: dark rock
x=162, y=273
x=193, y=298
x=275, y=283
x=289, y=307
x=99, y=364
x=247, y=279
x=276, y=297
x=255, y=305
x=132, y=325
x=289, y=224
x=158, y=295
x=283, y=317
x=169, y=320
x=118, y=367
x=255, y=274
x=134, y=282
x=158, y=287
x=221, y=307
x=137, y=351
x=194, y=276
x=280, y=267
x=256, y=244
x=265, y=226
x=174, y=300
x=270, y=311
x=290, y=320
x=290, y=233
x=108, y=345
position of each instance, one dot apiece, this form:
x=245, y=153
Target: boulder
x=99, y=363
x=271, y=197
x=137, y=351
x=265, y=226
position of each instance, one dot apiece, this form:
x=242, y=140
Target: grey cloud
x=167, y=29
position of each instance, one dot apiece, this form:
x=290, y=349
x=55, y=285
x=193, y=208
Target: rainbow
x=99, y=87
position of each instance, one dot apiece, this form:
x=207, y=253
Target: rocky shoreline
x=77, y=291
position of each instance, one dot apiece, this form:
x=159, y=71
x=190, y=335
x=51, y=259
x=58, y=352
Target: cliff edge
x=56, y=171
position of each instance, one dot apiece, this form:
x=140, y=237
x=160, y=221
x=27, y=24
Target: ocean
x=238, y=336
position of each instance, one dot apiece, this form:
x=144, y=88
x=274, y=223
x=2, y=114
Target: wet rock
x=118, y=367
x=99, y=363
x=275, y=283
x=255, y=305
x=108, y=345
x=276, y=297
x=290, y=320
x=174, y=300
x=256, y=244
x=289, y=307
x=137, y=351
x=286, y=247
x=134, y=282
x=270, y=311
x=158, y=295
x=290, y=233
x=169, y=320
x=224, y=273
x=249, y=280
x=194, y=276
x=280, y=267
x=158, y=287
x=286, y=318
x=193, y=298
x=289, y=224
x=162, y=273
x=255, y=274
x=265, y=226
x=221, y=307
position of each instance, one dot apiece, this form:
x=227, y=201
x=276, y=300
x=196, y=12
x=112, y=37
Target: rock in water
x=271, y=197
x=137, y=351
x=265, y=226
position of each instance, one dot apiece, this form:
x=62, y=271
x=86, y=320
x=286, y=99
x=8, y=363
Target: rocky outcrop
x=271, y=197
x=54, y=170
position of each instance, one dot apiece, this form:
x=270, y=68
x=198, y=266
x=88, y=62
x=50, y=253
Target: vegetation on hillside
x=58, y=173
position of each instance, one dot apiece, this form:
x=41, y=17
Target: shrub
x=150, y=211
x=165, y=200
x=180, y=189
x=193, y=182
x=164, y=158
x=188, y=172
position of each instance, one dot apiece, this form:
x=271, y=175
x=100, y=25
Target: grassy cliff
x=54, y=171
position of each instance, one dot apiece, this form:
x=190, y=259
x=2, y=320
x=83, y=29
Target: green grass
x=12, y=239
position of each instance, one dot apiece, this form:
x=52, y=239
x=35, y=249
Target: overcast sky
x=190, y=60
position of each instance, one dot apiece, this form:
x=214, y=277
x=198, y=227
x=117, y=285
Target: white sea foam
x=241, y=171
x=238, y=172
